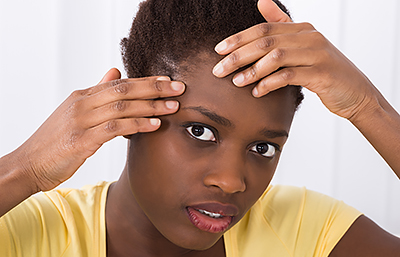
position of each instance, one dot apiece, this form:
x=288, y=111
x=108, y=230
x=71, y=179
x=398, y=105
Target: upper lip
x=220, y=208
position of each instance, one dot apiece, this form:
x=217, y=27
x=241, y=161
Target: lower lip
x=208, y=224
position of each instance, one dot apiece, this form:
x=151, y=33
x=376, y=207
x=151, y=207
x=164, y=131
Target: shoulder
x=292, y=221
x=289, y=203
x=50, y=222
x=365, y=238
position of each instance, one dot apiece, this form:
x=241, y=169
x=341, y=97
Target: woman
x=197, y=184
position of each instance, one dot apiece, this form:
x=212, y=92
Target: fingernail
x=218, y=69
x=177, y=86
x=163, y=79
x=171, y=104
x=238, y=79
x=155, y=122
x=221, y=47
x=255, y=92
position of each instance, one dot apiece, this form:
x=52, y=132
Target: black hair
x=165, y=33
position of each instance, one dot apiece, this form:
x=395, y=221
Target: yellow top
x=286, y=221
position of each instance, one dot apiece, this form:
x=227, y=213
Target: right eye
x=201, y=133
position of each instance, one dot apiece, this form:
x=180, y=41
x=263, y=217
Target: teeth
x=211, y=214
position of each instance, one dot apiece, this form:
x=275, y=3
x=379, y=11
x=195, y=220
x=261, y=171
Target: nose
x=227, y=173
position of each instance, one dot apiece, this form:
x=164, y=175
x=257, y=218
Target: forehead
x=236, y=104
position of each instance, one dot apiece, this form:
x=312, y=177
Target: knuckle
x=235, y=39
x=74, y=109
x=78, y=94
x=152, y=104
x=318, y=37
x=266, y=42
x=253, y=72
x=119, y=106
x=137, y=123
x=111, y=126
x=308, y=26
x=287, y=74
x=278, y=54
x=121, y=88
x=157, y=85
x=233, y=58
x=116, y=82
x=264, y=29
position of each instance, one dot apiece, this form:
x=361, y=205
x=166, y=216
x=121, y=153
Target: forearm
x=15, y=184
x=380, y=124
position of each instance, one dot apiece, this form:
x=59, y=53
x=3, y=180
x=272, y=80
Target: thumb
x=271, y=12
x=112, y=74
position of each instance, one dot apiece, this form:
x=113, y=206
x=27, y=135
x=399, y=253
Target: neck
x=130, y=232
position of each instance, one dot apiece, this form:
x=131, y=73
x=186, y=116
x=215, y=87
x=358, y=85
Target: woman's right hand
x=89, y=118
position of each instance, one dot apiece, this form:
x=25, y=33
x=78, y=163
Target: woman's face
x=208, y=164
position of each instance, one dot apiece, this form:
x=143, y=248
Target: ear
x=271, y=12
x=112, y=74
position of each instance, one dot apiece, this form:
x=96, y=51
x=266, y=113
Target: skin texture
x=169, y=169
x=91, y=117
x=304, y=57
x=78, y=128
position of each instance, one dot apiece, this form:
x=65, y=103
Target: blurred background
x=49, y=48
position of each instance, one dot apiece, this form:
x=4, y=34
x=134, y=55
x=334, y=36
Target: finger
x=115, y=82
x=149, y=88
x=302, y=76
x=129, y=109
x=112, y=74
x=271, y=11
x=259, y=31
x=274, y=60
x=256, y=50
x=104, y=132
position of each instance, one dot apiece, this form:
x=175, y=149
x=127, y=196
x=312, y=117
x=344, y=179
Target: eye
x=201, y=133
x=265, y=149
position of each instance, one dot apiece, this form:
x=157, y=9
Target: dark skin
x=306, y=58
x=91, y=117
x=170, y=169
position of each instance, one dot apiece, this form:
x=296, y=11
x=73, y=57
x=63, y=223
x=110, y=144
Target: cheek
x=259, y=177
x=162, y=166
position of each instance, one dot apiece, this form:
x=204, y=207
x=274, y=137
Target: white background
x=49, y=48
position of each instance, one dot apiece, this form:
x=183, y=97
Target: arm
x=305, y=57
x=365, y=238
x=379, y=122
x=78, y=128
x=286, y=53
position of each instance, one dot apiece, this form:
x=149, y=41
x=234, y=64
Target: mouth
x=213, y=218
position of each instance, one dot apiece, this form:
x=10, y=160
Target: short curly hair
x=165, y=33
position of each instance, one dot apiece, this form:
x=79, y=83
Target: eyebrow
x=274, y=133
x=227, y=123
x=212, y=116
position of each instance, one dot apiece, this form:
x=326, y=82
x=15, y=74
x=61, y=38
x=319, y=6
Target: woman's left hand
x=285, y=53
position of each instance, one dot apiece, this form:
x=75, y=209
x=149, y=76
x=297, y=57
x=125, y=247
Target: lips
x=212, y=217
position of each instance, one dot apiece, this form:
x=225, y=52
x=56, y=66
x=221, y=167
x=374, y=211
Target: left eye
x=201, y=133
x=266, y=150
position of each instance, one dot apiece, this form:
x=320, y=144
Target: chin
x=196, y=243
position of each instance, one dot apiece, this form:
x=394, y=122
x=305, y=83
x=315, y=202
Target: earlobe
x=271, y=12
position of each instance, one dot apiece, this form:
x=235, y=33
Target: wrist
x=13, y=171
x=373, y=105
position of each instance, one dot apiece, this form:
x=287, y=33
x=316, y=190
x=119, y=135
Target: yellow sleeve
x=309, y=223
x=291, y=221
x=28, y=229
